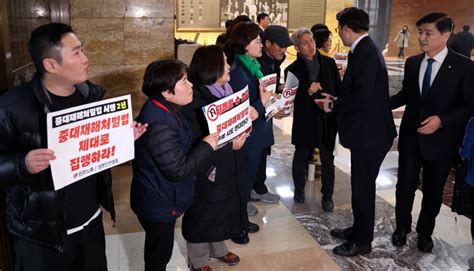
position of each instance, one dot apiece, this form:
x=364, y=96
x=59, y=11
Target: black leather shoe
x=242, y=239
x=327, y=204
x=399, y=237
x=252, y=227
x=344, y=234
x=425, y=243
x=299, y=196
x=350, y=249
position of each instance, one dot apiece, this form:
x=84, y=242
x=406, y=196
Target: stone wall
x=121, y=37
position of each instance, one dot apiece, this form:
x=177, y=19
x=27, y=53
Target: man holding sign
x=53, y=230
x=275, y=41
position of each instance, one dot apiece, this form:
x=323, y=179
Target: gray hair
x=298, y=33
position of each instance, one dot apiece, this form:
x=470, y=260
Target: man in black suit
x=438, y=91
x=365, y=125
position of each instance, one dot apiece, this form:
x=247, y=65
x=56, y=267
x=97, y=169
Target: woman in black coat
x=312, y=128
x=215, y=215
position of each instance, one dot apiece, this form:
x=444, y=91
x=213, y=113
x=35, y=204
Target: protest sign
x=269, y=83
x=90, y=138
x=229, y=116
x=289, y=92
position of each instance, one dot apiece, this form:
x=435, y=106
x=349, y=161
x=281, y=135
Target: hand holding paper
x=280, y=114
x=238, y=142
x=38, y=160
x=138, y=129
x=265, y=95
x=253, y=113
x=326, y=103
x=212, y=140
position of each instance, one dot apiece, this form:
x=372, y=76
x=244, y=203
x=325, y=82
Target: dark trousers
x=400, y=52
x=159, y=238
x=259, y=185
x=82, y=251
x=365, y=166
x=251, y=165
x=435, y=173
x=301, y=158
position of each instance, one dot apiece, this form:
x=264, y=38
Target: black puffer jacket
x=34, y=211
x=165, y=164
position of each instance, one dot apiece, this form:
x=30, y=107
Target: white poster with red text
x=229, y=116
x=90, y=138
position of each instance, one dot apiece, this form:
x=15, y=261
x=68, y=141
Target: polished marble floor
x=296, y=236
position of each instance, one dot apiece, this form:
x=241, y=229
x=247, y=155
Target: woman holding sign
x=215, y=215
x=166, y=163
x=245, y=71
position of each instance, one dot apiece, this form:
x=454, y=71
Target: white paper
x=269, y=82
x=289, y=93
x=90, y=138
x=229, y=116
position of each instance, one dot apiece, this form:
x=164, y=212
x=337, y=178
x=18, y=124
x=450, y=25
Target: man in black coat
x=312, y=128
x=52, y=229
x=365, y=125
x=438, y=93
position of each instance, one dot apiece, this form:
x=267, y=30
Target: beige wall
x=121, y=37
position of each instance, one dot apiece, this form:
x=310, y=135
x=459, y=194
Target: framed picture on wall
x=210, y=15
x=198, y=15
x=277, y=10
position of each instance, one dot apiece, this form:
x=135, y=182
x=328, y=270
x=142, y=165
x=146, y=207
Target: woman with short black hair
x=165, y=164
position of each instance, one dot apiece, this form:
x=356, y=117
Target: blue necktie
x=427, y=78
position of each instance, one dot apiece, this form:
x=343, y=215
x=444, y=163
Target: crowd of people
x=179, y=170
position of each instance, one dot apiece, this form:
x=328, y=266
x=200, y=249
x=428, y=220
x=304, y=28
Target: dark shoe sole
x=359, y=252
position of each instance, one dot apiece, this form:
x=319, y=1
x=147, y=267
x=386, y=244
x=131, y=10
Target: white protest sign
x=269, y=84
x=90, y=138
x=289, y=92
x=229, y=116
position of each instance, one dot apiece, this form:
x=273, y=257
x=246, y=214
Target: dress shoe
x=242, y=239
x=350, y=249
x=299, y=196
x=425, y=243
x=344, y=234
x=327, y=204
x=205, y=268
x=230, y=259
x=252, y=227
x=399, y=237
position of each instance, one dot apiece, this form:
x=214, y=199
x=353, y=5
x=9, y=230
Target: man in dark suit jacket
x=365, y=125
x=438, y=91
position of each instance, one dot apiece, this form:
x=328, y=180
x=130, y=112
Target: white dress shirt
x=354, y=44
x=439, y=58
